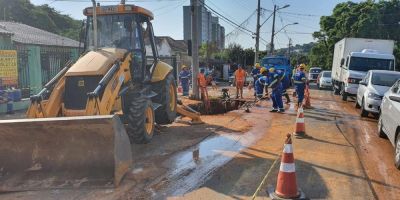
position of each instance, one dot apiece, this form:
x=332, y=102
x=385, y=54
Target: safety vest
x=202, y=80
x=240, y=75
x=299, y=78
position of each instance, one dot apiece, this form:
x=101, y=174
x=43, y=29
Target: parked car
x=324, y=80
x=372, y=88
x=313, y=73
x=389, y=120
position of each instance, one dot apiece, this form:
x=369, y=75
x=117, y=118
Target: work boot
x=281, y=110
x=274, y=110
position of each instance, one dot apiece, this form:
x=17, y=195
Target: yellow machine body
x=73, y=135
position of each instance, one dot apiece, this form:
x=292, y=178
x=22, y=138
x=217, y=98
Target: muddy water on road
x=192, y=168
x=376, y=154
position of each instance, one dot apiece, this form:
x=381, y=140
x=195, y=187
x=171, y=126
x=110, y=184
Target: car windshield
x=384, y=79
x=365, y=64
x=275, y=61
x=326, y=74
x=115, y=31
x=315, y=70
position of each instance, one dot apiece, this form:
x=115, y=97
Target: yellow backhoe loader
x=81, y=125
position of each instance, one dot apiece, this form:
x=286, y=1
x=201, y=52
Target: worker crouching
x=275, y=78
x=261, y=83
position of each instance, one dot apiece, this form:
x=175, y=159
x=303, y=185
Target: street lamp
x=295, y=23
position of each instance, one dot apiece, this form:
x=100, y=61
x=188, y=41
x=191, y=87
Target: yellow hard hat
x=262, y=70
x=271, y=69
x=184, y=66
x=258, y=65
x=302, y=66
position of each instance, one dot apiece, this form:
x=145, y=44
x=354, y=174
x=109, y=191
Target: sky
x=168, y=17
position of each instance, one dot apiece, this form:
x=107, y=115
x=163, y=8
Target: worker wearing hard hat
x=255, y=73
x=275, y=78
x=261, y=83
x=184, y=78
x=300, y=84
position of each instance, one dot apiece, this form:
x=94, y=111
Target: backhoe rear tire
x=167, y=97
x=140, y=119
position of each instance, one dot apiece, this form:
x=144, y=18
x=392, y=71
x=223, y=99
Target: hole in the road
x=217, y=106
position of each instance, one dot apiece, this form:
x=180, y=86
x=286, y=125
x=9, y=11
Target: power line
x=168, y=11
x=244, y=23
x=227, y=19
x=221, y=10
x=111, y=1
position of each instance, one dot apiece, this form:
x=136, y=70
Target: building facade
x=208, y=26
x=40, y=55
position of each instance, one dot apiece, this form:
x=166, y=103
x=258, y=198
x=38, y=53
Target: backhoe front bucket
x=63, y=152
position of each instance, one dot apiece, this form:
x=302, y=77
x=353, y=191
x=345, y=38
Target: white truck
x=353, y=57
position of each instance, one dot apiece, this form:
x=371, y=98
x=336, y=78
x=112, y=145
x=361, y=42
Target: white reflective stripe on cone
x=300, y=120
x=288, y=148
x=287, y=167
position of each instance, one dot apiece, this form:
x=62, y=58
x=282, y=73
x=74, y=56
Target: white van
x=353, y=57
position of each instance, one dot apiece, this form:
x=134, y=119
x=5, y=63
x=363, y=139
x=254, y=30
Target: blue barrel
x=17, y=95
x=10, y=95
x=10, y=107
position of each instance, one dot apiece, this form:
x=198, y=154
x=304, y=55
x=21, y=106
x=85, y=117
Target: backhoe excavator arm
x=111, y=85
x=51, y=107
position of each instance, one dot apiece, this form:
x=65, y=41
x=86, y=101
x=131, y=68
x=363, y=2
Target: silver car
x=372, y=88
x=324, y=80
x=389, y=119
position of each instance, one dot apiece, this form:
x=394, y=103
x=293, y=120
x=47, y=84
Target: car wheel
x=357, y=104
x=343, y=93
x=397, y=152
x=381, y=133
x=335, y=90
x=363, y=113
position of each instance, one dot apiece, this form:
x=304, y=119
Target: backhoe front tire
x=140, y=119
x=167, y=97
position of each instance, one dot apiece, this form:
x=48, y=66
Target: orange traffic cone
x=307, y=97
x=300, y=129
x=286, y=185
x=180, y=89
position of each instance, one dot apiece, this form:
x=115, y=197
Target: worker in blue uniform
x=300, y=84
x=261, y=82
x=184, y=77
x=285, y=86
x=255, y=73
x=275, y=78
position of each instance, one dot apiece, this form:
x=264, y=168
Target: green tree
x=43, y=17
x=369, y=19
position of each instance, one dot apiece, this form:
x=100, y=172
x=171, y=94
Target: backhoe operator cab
x=126, y=32
x=125, y=27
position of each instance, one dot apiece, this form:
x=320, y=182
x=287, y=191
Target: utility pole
x=273, y=32
x=290, y=45
x=257, y=32
x=195, y=47
x=94, y=24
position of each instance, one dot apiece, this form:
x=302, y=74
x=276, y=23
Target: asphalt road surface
x=228, y=157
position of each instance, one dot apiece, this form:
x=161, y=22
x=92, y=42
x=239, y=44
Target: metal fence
x=52, y=59
x=23, y=70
